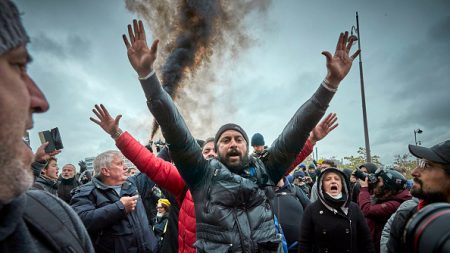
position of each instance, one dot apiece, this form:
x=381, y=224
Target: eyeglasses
x=423, y=164
x=159, y=207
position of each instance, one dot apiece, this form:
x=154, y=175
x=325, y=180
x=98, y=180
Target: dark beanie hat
x=257, y=140
x=371, y=168
x=12, y=33
x=229, y=126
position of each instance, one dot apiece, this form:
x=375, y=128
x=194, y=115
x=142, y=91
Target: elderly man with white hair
x=112, y=210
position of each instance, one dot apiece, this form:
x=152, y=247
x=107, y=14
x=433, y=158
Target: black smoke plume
x=194, y=33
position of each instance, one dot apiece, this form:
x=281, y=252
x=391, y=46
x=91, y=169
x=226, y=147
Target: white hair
x=104, y=160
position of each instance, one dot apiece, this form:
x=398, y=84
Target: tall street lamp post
x=357, y=37
x=417, y=131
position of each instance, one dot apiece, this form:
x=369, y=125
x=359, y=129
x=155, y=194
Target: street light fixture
x=357, y=38
x=417, y=131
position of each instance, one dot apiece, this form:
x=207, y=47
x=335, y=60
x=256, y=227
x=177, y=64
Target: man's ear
x=104, y=171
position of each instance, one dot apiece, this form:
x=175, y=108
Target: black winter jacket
x=46, y=184
x=65, y=186
x=232, y=210
x=288, y=205
x=325, y=229
x=37, y=221
x=110, y=227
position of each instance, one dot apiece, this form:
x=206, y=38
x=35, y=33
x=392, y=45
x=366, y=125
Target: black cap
x=230, y=126
x=439, y=153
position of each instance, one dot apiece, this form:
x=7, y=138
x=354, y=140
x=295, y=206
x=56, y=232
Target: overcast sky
x=80, y=60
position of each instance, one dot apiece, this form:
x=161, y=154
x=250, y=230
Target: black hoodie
x=329, y=227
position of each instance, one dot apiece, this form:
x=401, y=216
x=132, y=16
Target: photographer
x=380, y=196
x=431, y=185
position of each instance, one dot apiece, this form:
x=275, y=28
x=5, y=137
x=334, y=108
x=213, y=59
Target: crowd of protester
x=214, y=195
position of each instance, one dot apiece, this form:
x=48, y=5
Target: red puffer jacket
x=165, y=175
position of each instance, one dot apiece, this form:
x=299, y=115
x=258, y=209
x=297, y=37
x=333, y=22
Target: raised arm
x=318, y=133
x=185, y=151
x=289, y=143
x=159, y=171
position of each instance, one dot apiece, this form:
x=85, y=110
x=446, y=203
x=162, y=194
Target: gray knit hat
x=12, y=33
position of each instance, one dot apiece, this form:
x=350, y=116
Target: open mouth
x=334, y=188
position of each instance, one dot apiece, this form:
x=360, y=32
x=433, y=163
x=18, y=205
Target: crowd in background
x=212, y=195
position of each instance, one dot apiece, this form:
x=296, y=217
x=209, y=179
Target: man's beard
x=16, y=174
x=430, y=197
x=235, y=168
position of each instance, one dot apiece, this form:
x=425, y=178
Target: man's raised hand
x=339, y=64
x=141, y=57
x=323, y=128
x=105, y=121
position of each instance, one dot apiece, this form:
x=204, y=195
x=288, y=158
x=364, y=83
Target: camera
x=427, y=230
x=372, y=178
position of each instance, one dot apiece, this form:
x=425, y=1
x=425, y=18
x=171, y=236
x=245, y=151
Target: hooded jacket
x=377, y=212
x=327, y=228
x=233, y=212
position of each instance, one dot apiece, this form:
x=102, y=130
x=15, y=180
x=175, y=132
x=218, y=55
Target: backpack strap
x=51, y=228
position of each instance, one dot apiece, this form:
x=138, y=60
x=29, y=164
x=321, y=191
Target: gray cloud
x=73, y=46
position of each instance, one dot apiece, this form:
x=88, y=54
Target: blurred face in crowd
x=431, y=182
x=161, y=210
x=208, y=150
x=232, y=149
x=364, y=169
x=258, y=149
x=19, y=99
x=116, y=173
x=324, y=166
x=332, y=184
x=298, y=181
x=378, y=190
x=68, y=171
x=132, y=171
x=51, y=170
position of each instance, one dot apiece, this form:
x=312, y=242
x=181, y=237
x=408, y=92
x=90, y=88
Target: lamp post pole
x=417, y=131
x=363, y=96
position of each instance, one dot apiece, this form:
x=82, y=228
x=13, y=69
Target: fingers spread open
x=327, y=55
x=97, y=113
x=125, y=40
x=136, y=29
x=95, y=121
x=350, y=44
x=141, y=31
x=105, y=111
x=355, y=54
x=131, y=34
x=339, y=43
x=116, y=121
x=154, y=47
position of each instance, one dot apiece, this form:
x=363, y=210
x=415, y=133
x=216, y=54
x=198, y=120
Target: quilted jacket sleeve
x=185, y=151
x=163, y=173
x=290, y=142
